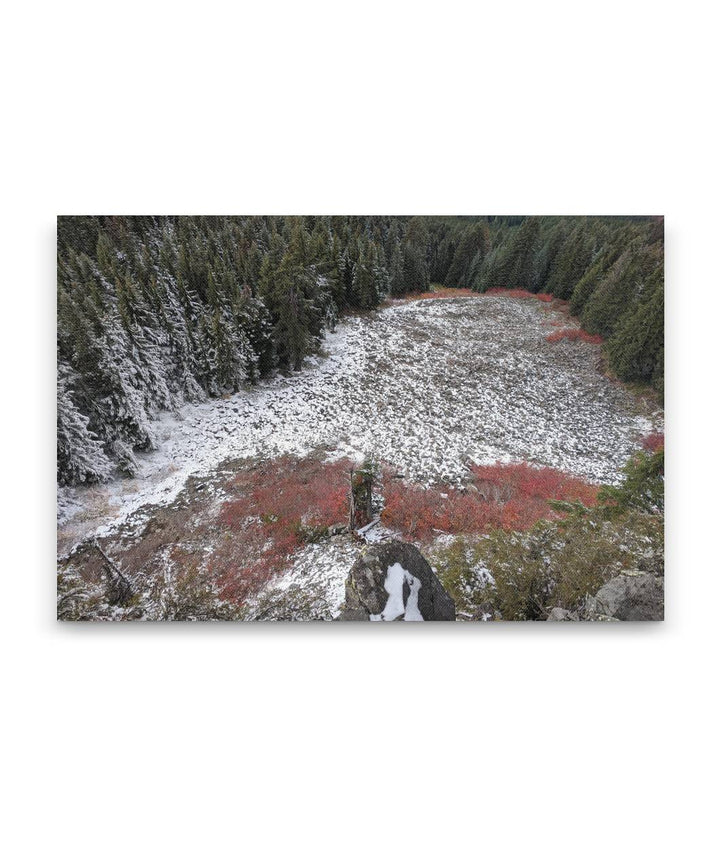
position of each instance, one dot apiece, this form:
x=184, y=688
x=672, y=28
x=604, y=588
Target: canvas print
x=360, y=418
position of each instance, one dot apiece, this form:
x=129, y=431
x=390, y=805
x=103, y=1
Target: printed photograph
x=360, y=418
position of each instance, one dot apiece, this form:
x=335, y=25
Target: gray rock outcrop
x=392, y=581
x=631, y=597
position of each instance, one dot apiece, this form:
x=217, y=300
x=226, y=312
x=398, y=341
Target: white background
x=359, y=739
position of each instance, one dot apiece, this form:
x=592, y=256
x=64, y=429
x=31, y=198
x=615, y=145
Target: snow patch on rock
x=395, y=579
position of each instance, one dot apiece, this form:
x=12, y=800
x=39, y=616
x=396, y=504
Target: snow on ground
x=424, y=386
x=312, y=589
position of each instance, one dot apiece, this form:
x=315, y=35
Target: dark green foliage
x=587, y=284
x=365, y=292
x=625, y=286
x=571, y=262
x=297, y=299
x=415, y=271
x=407, y=269
x=155, y=311
x=636, y=350
x=642, y=488
x=441, y=250
x=396, y=272
x=608, y=254
x=471, y=251
x=515, y=268
x=552, y=238
x=610, y=270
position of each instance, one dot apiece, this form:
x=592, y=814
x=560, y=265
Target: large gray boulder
x=630, y=597
x=392, y=581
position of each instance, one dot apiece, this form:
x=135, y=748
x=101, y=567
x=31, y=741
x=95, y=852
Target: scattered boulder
x=557, y=613
x=392, y=581
x=486, y=612
x=630, y=597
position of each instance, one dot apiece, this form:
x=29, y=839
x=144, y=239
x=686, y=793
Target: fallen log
x=119, y=586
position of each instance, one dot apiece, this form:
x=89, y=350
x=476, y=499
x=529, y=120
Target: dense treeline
x=154, y=311
x=611, y=269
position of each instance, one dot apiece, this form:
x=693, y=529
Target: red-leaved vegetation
x=440, y=293
x=279, y=506
x=575, y=334
x=519, y=292
x=505, y=496
x=653, y=442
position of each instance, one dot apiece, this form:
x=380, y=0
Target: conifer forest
x=247, y=405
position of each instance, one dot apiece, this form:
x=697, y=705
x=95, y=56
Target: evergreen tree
x=551, y=242
x=80, y=453
x=620, y=290
x=396, y=272
x=636, y=348
x=475, y=240
x=365, y=285
x=156, y=311
x=415, y=271
x=295, y=304
x=519, y=257
x=571, y=262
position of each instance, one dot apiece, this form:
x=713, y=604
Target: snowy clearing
x=423, y=386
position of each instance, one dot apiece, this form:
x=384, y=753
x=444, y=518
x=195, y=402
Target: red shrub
x=440, y=293
x=523, y=480
x=575, y=334
x=290, y=492
x=506, y=496
x=280, y=504
x=519, y=292
x=653, y=442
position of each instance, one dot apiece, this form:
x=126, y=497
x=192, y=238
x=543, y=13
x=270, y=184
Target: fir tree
x=415, y=270
x=636, y=348
x=396, y=273
x=620, y=290
x=156, y=311
x=80, y=453
x=571, y=262
x=365, y=284
x=475, y=240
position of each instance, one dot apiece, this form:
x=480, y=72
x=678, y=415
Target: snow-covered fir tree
x=157, y=311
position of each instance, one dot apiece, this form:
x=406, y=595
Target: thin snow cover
x=378, y=534
x=424, y=386
x=375, y=532
x=313, y=588
x=395, y=606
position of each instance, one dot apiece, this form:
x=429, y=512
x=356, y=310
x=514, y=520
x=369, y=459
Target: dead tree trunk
x=119, y=587
x=351, y=498
x=361, y=485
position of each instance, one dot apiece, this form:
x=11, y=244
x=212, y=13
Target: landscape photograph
x=360, y=418
x=321, y=317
